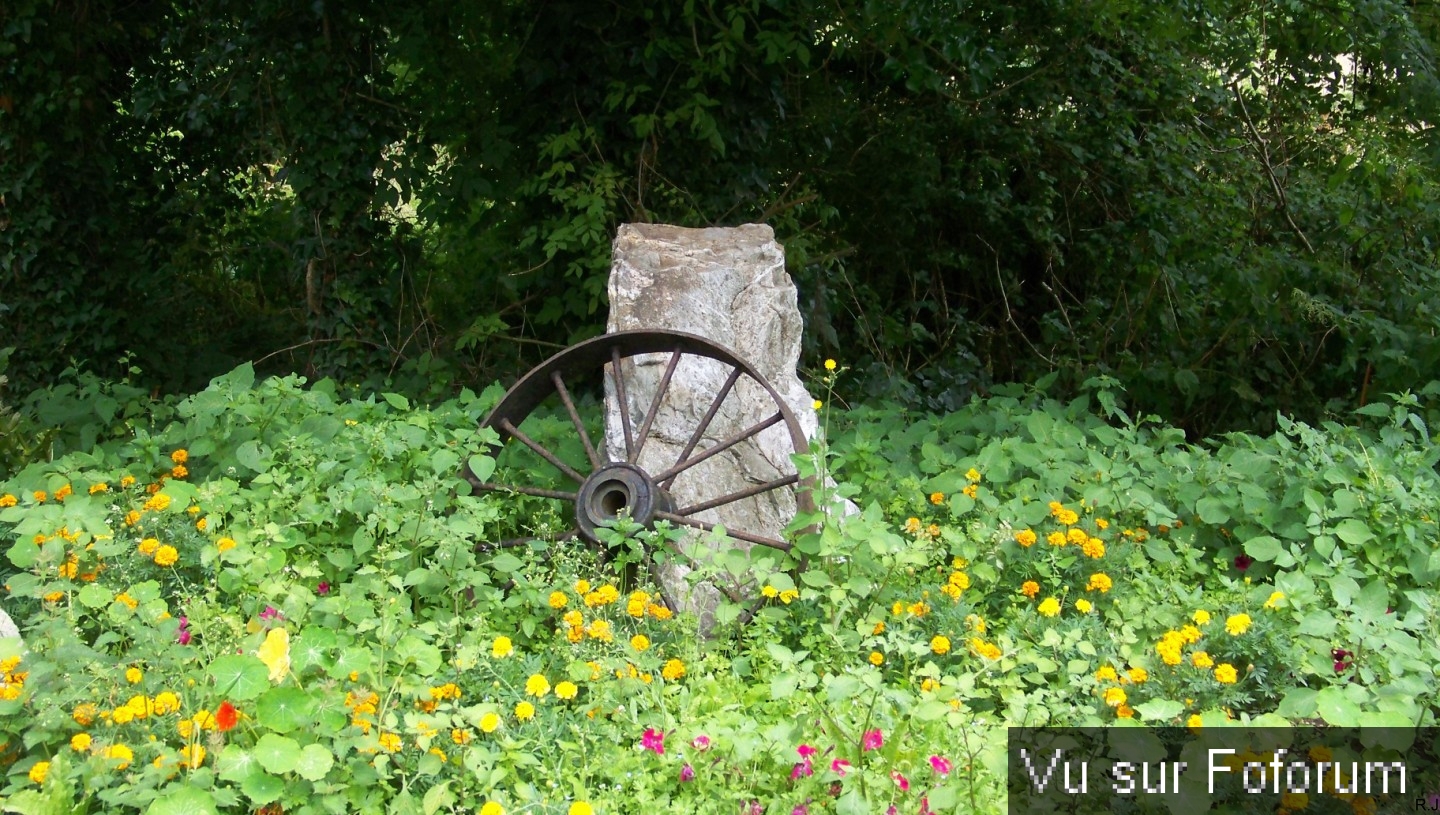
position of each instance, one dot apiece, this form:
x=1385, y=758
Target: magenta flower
x=754, y=808
x=805, y=751
x=800, y=810
x=900, y=780
x=872, y=740
x=653, y=740
x=323, y=589
x=925, y=806
x=940, y=765
x=840, y=766
x=892, y=810
x=271, y=613
x=687, y=773
x=801, y=770
x=701, y=743
x=183, y=637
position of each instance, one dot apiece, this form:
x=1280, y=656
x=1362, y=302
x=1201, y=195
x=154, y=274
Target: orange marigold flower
x=180, y=456
x=7, y=500
x=1030, y=589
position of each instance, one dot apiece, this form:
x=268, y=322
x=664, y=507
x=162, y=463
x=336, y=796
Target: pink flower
x=892, y=810
x=753, y=808
x=701, y=743
x=840, y=766
x=687, y=773
x=183, y=637
x=800, y=810
x=653, y=740
x=801, y=770
x=925, y=806
x=900, y=781
x=323, y=589
x=873, y=740
x=940, y=765
x=805, y=751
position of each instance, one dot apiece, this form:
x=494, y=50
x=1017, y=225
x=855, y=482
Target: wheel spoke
x=740, y=494
x=655, y=406
x=575, y=419
x=704, y=425
x=620, y=398
x=515, y=433
x=558, y=495
x=744, y=536
x=684, y=464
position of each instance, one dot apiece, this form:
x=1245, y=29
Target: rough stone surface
x=729, y=286
x=7, y=626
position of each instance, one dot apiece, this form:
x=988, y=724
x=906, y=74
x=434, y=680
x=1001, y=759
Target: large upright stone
x=7, y=626
x=730, y=287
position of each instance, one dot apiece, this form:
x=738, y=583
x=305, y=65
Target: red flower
x=872, y=740
x=653, y=739
x=1242, y=562
x=226, y=716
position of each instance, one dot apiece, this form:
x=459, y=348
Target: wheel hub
x=615, y=489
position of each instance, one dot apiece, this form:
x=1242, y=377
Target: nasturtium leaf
x=261, y=789
x=183, y=800
x=315, y=761
x=277, y=754
x=1335, y=709
x=239, y=676
x=284, y=709
x=235, y=764
x=93, y=595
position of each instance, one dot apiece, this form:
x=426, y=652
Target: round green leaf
x=240, y=676
x=1335, y=709
x=315, y=762
x=94, y=595
x=1263, y=548
x=183, y=801
x=277, y=754
x=285, y=709
x=261, y=789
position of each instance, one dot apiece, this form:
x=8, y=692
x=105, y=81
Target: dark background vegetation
x=1229, y=206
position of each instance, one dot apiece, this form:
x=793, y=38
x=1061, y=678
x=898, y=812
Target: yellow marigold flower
x=1093, y=548
x=391, y=742
x=788, y=596
x=148, y=546
x=877, y=658
x=1225, y=674
x=132, y=517
x=121, y=753
x=1099, y=582
x=937, y=498
x=204, y=719
x=1067, y=517
x=180, y=456
x=69, y=568
x=918, y=609
x=179, y=471
x=80, y=742
x=122, y=715
x=8, y=500
x=1275, y=598
x=659, y=612
x=975, y=622
x=54, y=597
x=202, y=524
x=63, y=493
x=1124, y=712
x=878, y=629
x=972, y=475
x=1084, y=606
x=492, y=808
x=462, y=736
x=1201, y=617
x=1102, y=524
x=166, y=702
x=573, y=618
x=673, y=670
x=600, y=630
x=1237, y=624
x=1194, y=722
x=912, y=526
x=39, y=770
x=1114, y=697
x=537, y=685
x=971, y=491
x=488, y=723
x=1076, y=536
x=84, y=714
x=166, y=556
x=502, y=647
x=952, y=591
x=40, y=496
x=1030, y=588
x=566, y=690
x=985, y=649
x=192, y=755
x=524, y=711
x=933, y=530
x=582, y=586
x=133, y=675
x=558, y=600
x=640, y=642
x=897, y=608
x=1050, y=607
x=940, y=645
x=95, y=489
x=1055, y=538
x=769, y=591
x=1025, y=538
x=1107, y=674
x=1138, y=675
x=1190, y=634
x=928, y=684
x=225, y=544
x=580, y=808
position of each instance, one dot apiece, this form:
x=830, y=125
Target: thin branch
x=1262, y=147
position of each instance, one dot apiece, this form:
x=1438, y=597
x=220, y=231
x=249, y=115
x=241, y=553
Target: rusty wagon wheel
x=606, y=485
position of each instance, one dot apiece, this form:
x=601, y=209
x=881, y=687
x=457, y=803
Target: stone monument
x=728, y=285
